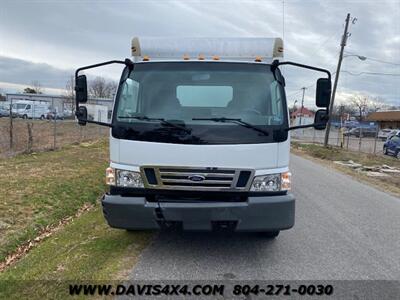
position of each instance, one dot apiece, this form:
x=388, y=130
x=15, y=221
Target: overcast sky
x=47, y=40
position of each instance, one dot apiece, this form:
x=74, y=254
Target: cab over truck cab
x=199, y=136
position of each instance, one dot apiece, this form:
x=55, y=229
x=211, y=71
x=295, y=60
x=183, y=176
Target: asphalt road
x=344, y=230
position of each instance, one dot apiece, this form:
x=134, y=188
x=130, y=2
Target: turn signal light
x=110, y=176
x=286, y=181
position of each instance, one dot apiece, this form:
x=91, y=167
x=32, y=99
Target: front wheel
x=398, y=154
x=270, y=234
x=385, y=151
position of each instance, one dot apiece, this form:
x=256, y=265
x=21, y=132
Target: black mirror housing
x=323, y=93
x=81, y=114
x=320, y=119
x=81, y=89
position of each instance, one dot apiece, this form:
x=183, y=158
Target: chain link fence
x=35, y=127
x=365, y=142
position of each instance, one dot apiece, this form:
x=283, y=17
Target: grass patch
x=39, y=189
x=85, y=250
x=328, y=155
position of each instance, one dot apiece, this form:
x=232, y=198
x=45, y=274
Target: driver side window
x=129, y=98
x=276, y=100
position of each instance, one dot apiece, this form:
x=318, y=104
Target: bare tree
x=341, y=111
x=101, y=88
x=69, y=94
x=34, y=88
x=37, y=86
x=361, y=103
x=377, y=104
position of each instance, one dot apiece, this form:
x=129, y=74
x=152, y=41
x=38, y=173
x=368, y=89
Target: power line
x=300, y=90
x=369, y=73
x=377, y=60
x=347, y=72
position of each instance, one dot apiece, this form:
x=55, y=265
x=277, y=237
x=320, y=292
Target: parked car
x=4, y=112
x=384, y=134
x=392, y=146
x=51, y=115
x=365, y=132
x=68, y=114
x=351, y=124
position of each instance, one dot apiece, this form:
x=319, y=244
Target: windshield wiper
x=237, y=121
x=162, y=121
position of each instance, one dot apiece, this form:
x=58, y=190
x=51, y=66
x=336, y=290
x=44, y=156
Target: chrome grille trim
x=215, y=179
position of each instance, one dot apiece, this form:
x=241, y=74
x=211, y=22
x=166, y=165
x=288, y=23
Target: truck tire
x=397, y=155
x=24, y=117
x=270, y=234
x=42, y=117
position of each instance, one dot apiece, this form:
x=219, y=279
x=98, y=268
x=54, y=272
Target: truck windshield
x=194, y=94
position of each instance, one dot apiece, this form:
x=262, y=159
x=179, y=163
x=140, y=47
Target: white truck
x=28, y=109
x=199, y=135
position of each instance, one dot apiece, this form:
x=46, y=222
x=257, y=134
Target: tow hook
x=159, y=214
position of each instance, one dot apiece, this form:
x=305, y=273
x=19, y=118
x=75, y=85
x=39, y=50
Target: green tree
x=29, y=90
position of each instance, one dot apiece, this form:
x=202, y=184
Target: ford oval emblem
x=196, y=178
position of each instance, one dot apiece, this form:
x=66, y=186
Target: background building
x=386, y=119
x=302, y=116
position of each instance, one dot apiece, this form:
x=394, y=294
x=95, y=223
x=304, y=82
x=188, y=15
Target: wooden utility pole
x=302, y=104
x=11, y=127
x=342, y=45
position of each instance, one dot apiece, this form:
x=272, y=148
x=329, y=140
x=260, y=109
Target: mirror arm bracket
x=126, y=62
x=276, y=63
x=96, y=122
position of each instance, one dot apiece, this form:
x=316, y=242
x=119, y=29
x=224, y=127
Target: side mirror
x=323, y=94
x=81, y=114
x=320, y=119
x=81, y=89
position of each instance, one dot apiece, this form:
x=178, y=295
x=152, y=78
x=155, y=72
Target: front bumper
x=262, y=213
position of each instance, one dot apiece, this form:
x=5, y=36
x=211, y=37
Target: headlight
x=124, y=178
x=271, y=183
x=129, y=179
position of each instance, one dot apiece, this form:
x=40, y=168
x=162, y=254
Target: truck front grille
x=196, y=178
